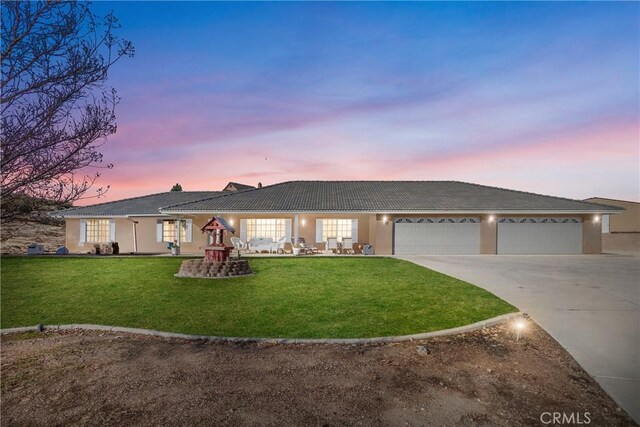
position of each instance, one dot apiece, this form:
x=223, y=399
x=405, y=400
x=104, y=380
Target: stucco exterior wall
x=627, y=221
x=372, y=229
x=124, y=236
x=591, y=235
x=384, y=235
x=488, y=235
x=306, y=225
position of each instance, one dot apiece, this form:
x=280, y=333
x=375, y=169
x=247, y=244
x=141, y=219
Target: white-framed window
x=169, y=230
x=98, y=230
x=339, y=228
x=274, y=228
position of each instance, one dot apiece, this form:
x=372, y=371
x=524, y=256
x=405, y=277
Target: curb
x=150, y=332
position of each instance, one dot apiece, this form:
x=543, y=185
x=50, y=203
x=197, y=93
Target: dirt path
x=483, y=378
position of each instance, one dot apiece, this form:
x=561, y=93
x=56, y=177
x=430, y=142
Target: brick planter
x=214, y=269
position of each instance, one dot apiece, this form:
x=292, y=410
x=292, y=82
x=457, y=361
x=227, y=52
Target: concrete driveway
x=589, y=303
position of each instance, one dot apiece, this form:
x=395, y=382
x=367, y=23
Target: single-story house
x=395, y=217
x=627, y=221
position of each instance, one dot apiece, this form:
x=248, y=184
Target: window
x=98, y=230
x=169, y=230
x=339, y=228
x=266, y=228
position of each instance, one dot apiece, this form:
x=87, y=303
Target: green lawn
x=287, y=297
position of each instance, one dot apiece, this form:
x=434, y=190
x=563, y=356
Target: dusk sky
x=540, y=97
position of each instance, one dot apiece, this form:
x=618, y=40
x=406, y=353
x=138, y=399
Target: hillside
x=15, y=236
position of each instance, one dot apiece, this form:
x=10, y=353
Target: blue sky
x=541, y=97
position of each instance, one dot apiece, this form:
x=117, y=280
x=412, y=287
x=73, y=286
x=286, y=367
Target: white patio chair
x=278, y=246
x=238, y=244
x=332, y=244
x=347, y=245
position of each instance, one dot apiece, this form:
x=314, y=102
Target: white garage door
x=416, y=236
x=540, y=236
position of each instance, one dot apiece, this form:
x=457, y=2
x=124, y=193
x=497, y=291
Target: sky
x=539, y=97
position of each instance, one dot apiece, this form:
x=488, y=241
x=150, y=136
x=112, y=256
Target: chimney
x=259, y=185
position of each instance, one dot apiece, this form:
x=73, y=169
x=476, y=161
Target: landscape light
x=519, y=325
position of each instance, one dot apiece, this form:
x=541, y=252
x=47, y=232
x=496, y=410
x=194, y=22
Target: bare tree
x=56, y=109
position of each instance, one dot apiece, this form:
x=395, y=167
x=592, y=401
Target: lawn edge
x=504, y=318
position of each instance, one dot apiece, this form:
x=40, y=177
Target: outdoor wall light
x=492, y=219
x=596, y=219
x=303, y=222
x=230, y=222
x=385, y=219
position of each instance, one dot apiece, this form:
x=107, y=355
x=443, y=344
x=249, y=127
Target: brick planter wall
x=214, y=269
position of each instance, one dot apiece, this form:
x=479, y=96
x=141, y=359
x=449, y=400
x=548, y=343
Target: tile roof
x=143, y=205
x=384, y=196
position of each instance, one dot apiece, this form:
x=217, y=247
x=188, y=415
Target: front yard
x=288, y=297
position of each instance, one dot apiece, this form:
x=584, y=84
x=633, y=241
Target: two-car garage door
x=415, y=236
x=539, y=235
x=517, y=235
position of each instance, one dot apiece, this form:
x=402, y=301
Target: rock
x=423, y=350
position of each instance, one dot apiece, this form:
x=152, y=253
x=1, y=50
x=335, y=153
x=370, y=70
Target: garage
x=540, y=235
x=424, y=236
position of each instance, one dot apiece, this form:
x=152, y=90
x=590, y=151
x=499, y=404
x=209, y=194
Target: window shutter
x=159, y=230
x=318, y=231
x=83, y=230
x=354, y=230
x=243, y=230
x=112, y=230
x=189, y=224
x=287, y=229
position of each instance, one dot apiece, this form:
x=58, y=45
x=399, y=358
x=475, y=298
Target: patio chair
x=278, y=246
x=238, y=244
x=347, y=245
x=332, y=244
x=307, y=249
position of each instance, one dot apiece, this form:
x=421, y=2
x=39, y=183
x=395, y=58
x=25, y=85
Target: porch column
x=178, y=223
x=295, y=228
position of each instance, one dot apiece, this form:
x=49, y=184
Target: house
x=395, y=217
x=625, y=222
x=236, y=186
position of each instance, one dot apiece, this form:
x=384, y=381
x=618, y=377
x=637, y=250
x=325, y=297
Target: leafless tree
x=56, y=109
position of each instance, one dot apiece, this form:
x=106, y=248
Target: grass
x=287, y=297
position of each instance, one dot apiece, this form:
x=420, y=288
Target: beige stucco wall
x=488, y=235
x=145, y=232
x=627, y=221
x=306, y=225
x=124, y=236
x=591, y=235
x=371, y=230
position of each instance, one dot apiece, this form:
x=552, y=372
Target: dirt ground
x=15, y=236
x=482, y=378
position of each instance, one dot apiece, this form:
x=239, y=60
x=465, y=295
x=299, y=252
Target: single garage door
x=540, y=236
x=417, y=236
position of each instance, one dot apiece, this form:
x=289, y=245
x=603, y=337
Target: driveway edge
x=150, y=332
